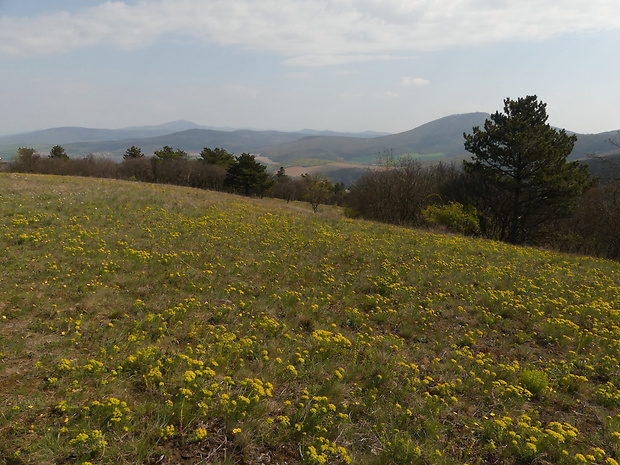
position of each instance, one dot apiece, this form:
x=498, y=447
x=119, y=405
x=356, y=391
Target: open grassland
x=156, y=324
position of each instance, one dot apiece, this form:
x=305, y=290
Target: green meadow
x=153, y=324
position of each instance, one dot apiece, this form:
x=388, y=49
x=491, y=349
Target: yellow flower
x=189, y=376
x=201, y=433
x=167, y=431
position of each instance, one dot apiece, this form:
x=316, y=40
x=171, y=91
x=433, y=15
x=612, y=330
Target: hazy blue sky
x=344, y=65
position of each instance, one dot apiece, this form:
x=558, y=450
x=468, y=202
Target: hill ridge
x=435, y=140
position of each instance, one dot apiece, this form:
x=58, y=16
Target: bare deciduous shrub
x=24, y=160
x=207, y=176
x=138, y=169
x=398, y=191
x=593, y=228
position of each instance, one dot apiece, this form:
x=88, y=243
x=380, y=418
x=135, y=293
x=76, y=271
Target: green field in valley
x=144, y=323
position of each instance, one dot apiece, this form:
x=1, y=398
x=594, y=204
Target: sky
x=340, y=65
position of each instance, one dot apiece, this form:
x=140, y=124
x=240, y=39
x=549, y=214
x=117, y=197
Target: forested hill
x=439, y=139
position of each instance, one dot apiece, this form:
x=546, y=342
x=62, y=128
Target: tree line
x=518, y=186
x=214, y=169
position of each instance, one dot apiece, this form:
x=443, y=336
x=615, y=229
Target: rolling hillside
x=192, y=141
x=441, y=139
x=68, y=135
x=153, y=324
x=596, y=144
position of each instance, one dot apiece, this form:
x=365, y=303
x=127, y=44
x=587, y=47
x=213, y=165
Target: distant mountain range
x=442, y=138
x=69, y=135
x=439, y=139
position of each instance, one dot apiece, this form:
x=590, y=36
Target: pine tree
x=520, y=166
x=58, y=152
x=248, y=175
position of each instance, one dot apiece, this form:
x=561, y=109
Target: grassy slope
x=156, y=324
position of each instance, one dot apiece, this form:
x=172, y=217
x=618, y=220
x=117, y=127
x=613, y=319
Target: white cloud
x=307, y=32
x=388, y=95
x=414, y=82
